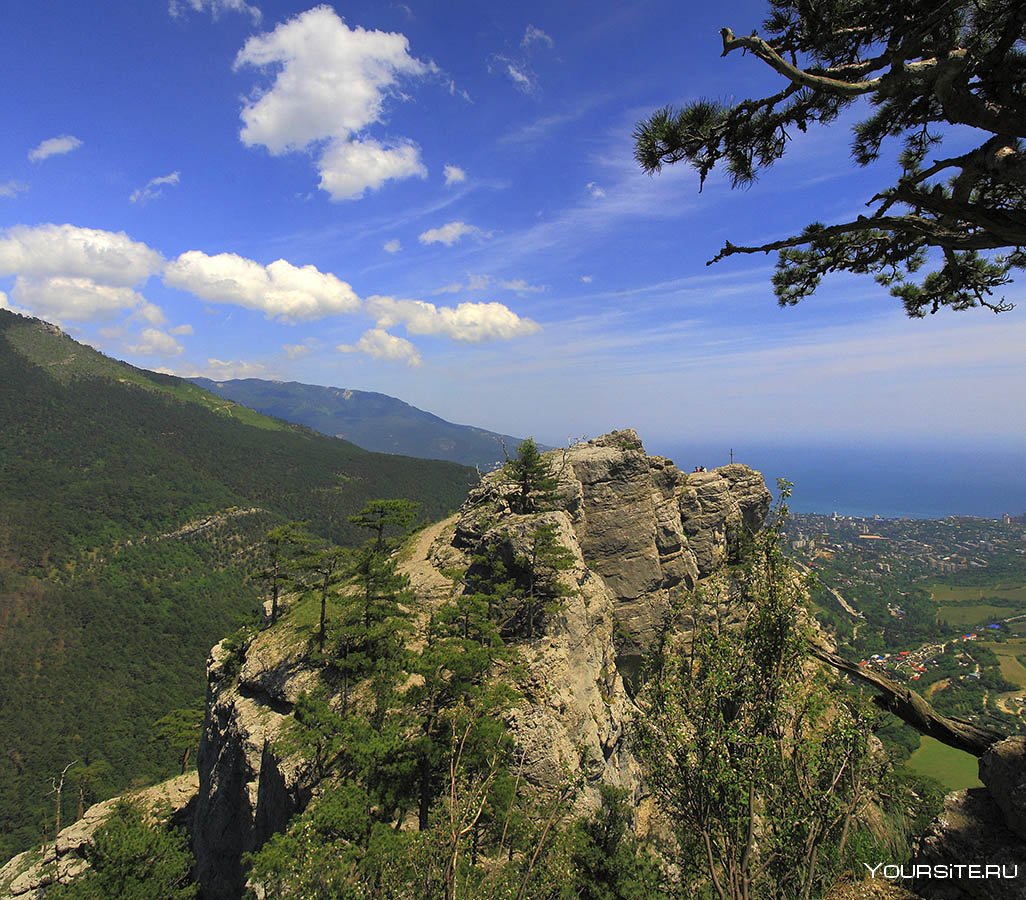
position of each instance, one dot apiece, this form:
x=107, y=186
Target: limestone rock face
x=637, y=528
x=29, y=874
x=1003, y=771
x=647, y=527
x=246, y=792
x=575, y=709
x=972, y=830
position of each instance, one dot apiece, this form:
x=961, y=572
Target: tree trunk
x=913, y=709
x=425, y=793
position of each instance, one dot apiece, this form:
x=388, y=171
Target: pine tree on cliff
x=917, y=67
x=280, y=546
x=461, y=647
x=535, y=483
x=545, y=561
x=379, y=515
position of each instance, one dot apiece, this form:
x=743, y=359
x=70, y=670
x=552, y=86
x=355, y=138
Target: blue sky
x=439, y=202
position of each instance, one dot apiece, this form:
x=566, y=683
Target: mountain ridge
x=369, y=419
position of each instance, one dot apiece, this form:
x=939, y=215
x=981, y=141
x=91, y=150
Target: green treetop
x=532, y=476
x=379, y=516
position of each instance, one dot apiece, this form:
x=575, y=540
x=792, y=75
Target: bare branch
x=767, y=54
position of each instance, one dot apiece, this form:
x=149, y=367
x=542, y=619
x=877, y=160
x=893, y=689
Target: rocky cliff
x=984, y=827
x=28, y=875
x=636, y=527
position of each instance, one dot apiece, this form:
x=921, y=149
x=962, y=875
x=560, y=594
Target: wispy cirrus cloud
x=10, y=189
x=55, y=146
x=217, y=8
x=154, y=188
x=450, y=233
x=476, y=282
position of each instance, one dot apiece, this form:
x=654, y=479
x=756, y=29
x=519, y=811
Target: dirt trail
x=428, y=583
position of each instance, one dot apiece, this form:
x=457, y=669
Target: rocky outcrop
x=643, y=525
x=575, y=710
x=635, y=527
x=247, y=789
x=638, y=529
x=983, y=827
x=28, y=875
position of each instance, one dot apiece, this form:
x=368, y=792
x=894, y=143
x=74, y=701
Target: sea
x=890, y=481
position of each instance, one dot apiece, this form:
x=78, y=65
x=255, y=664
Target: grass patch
x=1008, y=654
x=948, y=593
x=979, y=614
x=955, y=769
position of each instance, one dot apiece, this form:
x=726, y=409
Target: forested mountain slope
x=131, y=507
x=371, y=420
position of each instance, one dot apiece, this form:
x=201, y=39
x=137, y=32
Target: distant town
x=939, y=604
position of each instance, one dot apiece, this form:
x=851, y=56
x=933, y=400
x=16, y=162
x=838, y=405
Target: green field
x=978, y=614
x=955, y=769
x=943, y=593
x=1008, y=654
x=956, y=604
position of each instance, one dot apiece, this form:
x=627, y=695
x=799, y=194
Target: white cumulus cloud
x=350, y=168
x=450, y=233
x=110, y=257
x=281, y=290
x=595, y=190
x=152, y=189
x=154, y=342
x=468, y=322
x=75, y=299
x=330, y=84
x=150, y=313
x=454, y=175
x=379, y=344
x=55, y=146
x=392, y=246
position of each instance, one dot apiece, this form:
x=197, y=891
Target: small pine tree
x=179, y=731
x=280, y=547
x=535, y=483
x=379, y=515
x=546, y=559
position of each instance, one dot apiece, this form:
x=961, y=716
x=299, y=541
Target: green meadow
x=955, y=769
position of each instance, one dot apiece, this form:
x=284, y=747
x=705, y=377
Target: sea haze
x=886, y=480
